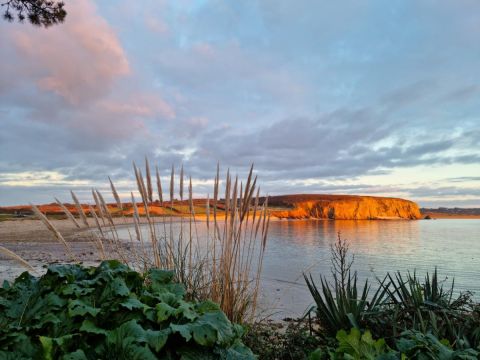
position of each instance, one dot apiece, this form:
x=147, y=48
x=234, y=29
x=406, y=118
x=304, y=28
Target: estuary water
x=453, y=246
x=381, y=246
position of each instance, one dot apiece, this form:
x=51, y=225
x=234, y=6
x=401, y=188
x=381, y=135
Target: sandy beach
x=31, y=240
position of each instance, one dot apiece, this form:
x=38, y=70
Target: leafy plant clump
x=275, y=341
x=411, y=345
x=111, y=311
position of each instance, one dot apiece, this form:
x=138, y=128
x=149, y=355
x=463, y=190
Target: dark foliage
x=411, y=345
x=38, y=12
x=273, y=341
x=111, y=312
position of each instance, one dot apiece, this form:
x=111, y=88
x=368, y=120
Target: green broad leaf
x=54, y=301
x=130, y=329
x=133, y=303
x=207, y=306
x=316, y=355
x=349, y=343
x=404, y=345
x=184, y=330
x=45, y=319
x=4, y=355
x=367, y=338
x=76, y=290
x=127, y=349
x=157, y=339
x=169, y=298
x=15, y=308
x=79, y=308
x=186, y=310
x=89, y=327
x=115, y=288
x=23, y=344
x=114, y=266
x=197, y=353
x=47, y=347
x=76, y=355
x=219, y=322
x=207, y=330
x=160, y=277
x=25, y=279
x=68, y=272
x=204, y=334
x=63, y=340
x=238, y=351
x=164, y=311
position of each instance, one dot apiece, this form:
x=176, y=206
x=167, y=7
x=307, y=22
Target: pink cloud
x=143, y=104
x=78, y=60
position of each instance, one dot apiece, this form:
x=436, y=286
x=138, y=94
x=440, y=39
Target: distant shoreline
x=441, y=215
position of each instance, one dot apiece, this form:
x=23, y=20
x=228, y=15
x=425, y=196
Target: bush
x=75, y=312
x=411, y=345
x=274, y=341
x=426, y=307
x=343, y=305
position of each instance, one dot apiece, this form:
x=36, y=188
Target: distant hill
x=445, y=213
x=342, y=207
x=299, y=206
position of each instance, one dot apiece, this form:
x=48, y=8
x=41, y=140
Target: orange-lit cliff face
x=343, y=207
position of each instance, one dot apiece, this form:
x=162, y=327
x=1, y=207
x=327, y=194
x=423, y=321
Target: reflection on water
x=301, y=246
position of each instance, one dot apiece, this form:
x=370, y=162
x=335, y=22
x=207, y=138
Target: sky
x=355, y=97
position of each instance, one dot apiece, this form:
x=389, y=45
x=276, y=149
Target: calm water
x=299, y=246
x=379, y=246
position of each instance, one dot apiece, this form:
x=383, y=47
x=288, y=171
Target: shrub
x=342, y=305
x=111, y=311
x=355, y=345
x=274, y=341
x=427, y=307
x=411, y=345
x=416, y=345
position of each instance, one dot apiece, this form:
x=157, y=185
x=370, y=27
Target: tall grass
x=223, y=262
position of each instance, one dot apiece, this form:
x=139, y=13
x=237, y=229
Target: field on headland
x=300, y=206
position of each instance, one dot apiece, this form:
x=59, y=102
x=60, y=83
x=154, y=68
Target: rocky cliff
x=342, y=207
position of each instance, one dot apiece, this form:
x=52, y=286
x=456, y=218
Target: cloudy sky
x=360, y=97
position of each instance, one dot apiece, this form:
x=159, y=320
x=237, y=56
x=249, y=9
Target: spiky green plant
x=428, y=307
x=342, y=305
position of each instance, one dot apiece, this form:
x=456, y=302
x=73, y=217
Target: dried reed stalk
x=115, y=195
x=17, y=258
x=79, y=209
x=54, y=231
x=68, y=213
x=159, y=186
x=149, y=181
x=225, y=266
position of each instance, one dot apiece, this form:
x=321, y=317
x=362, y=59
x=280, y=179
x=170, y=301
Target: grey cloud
x=464, y=179
x=461, y=94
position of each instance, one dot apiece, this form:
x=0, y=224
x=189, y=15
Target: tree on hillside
x=38, y=12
